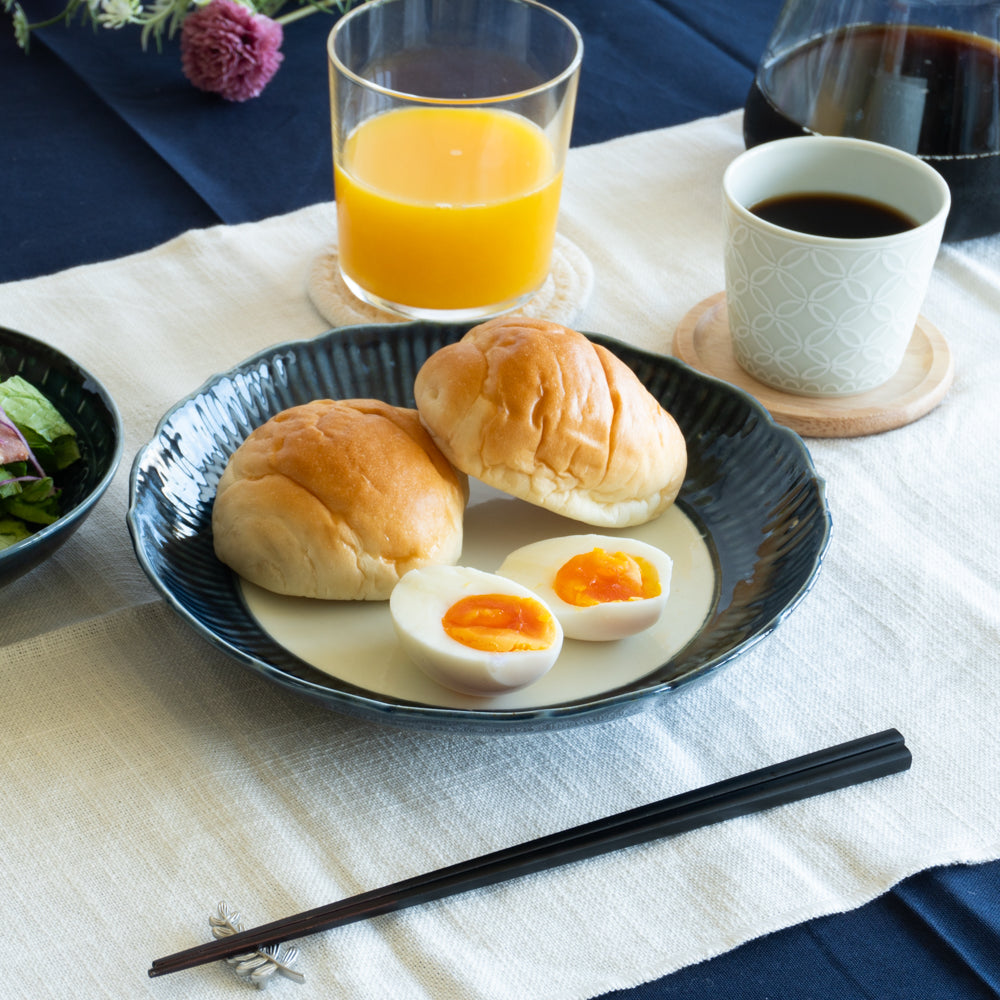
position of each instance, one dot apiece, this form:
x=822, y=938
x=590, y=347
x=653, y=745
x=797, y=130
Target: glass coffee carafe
x=921, y=76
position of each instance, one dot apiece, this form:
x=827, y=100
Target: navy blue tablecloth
x=107, y=150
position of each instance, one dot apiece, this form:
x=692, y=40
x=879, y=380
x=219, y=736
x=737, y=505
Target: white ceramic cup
x=819, y=315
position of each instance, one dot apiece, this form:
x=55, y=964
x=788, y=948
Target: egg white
x=417, y=605
x=535, y=566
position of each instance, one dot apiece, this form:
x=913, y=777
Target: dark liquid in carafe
x=931, y=91
x=837, y=215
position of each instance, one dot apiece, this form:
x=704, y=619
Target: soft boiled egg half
x=473, y=631
x=599, y=587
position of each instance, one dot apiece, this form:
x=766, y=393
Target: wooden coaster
x=561, y=298
x=702, y=340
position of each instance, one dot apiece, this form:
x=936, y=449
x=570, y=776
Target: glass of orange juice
x=451, y=121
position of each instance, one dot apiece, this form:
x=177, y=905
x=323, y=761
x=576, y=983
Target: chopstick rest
x=255, y=966
x=826, y=770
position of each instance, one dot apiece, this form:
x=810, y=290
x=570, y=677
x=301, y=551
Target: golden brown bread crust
x=539, y=411
x=336, y=500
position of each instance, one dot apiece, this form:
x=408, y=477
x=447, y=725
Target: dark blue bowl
x=751, y=488
x=92, y=413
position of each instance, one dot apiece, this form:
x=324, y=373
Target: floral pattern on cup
x=814, y=322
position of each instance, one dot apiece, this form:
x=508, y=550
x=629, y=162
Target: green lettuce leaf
x=12, y=531
x=48, y=434
x=37, y=502
x=29, y=501
x=9, y=486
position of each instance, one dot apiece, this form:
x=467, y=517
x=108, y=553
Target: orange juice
x=447, y=208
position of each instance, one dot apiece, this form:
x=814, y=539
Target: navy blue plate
x=92, y=413
x=751, y=488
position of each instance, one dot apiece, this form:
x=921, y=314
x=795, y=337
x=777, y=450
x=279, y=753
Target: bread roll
x=541, y=412
x=337, y=500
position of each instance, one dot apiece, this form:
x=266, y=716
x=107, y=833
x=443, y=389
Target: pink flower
x=229, y=50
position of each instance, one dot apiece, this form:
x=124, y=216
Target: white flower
x=118, y=13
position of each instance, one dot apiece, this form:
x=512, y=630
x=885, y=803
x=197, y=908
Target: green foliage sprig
x=157, y=19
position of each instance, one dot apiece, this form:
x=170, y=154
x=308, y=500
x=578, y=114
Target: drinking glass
x=451, y=121
x=922, y=76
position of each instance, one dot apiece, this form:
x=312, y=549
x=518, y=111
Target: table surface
x=109, y=151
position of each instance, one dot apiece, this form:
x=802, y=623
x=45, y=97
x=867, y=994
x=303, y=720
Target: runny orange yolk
x=500, y=623
x=599, y=577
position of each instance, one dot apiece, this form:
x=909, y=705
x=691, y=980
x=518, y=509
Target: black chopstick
x=826, y=770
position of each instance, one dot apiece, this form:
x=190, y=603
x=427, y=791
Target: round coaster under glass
x=561, y=298
x=702, y=340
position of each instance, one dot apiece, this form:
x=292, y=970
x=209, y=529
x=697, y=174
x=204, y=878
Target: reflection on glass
x=924, y=77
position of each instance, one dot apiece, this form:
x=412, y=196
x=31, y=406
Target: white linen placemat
x=146, y=776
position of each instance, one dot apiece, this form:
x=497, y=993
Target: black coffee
x=942, y=105
x=838, y=215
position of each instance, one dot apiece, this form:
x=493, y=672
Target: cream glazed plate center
x=355, y=642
